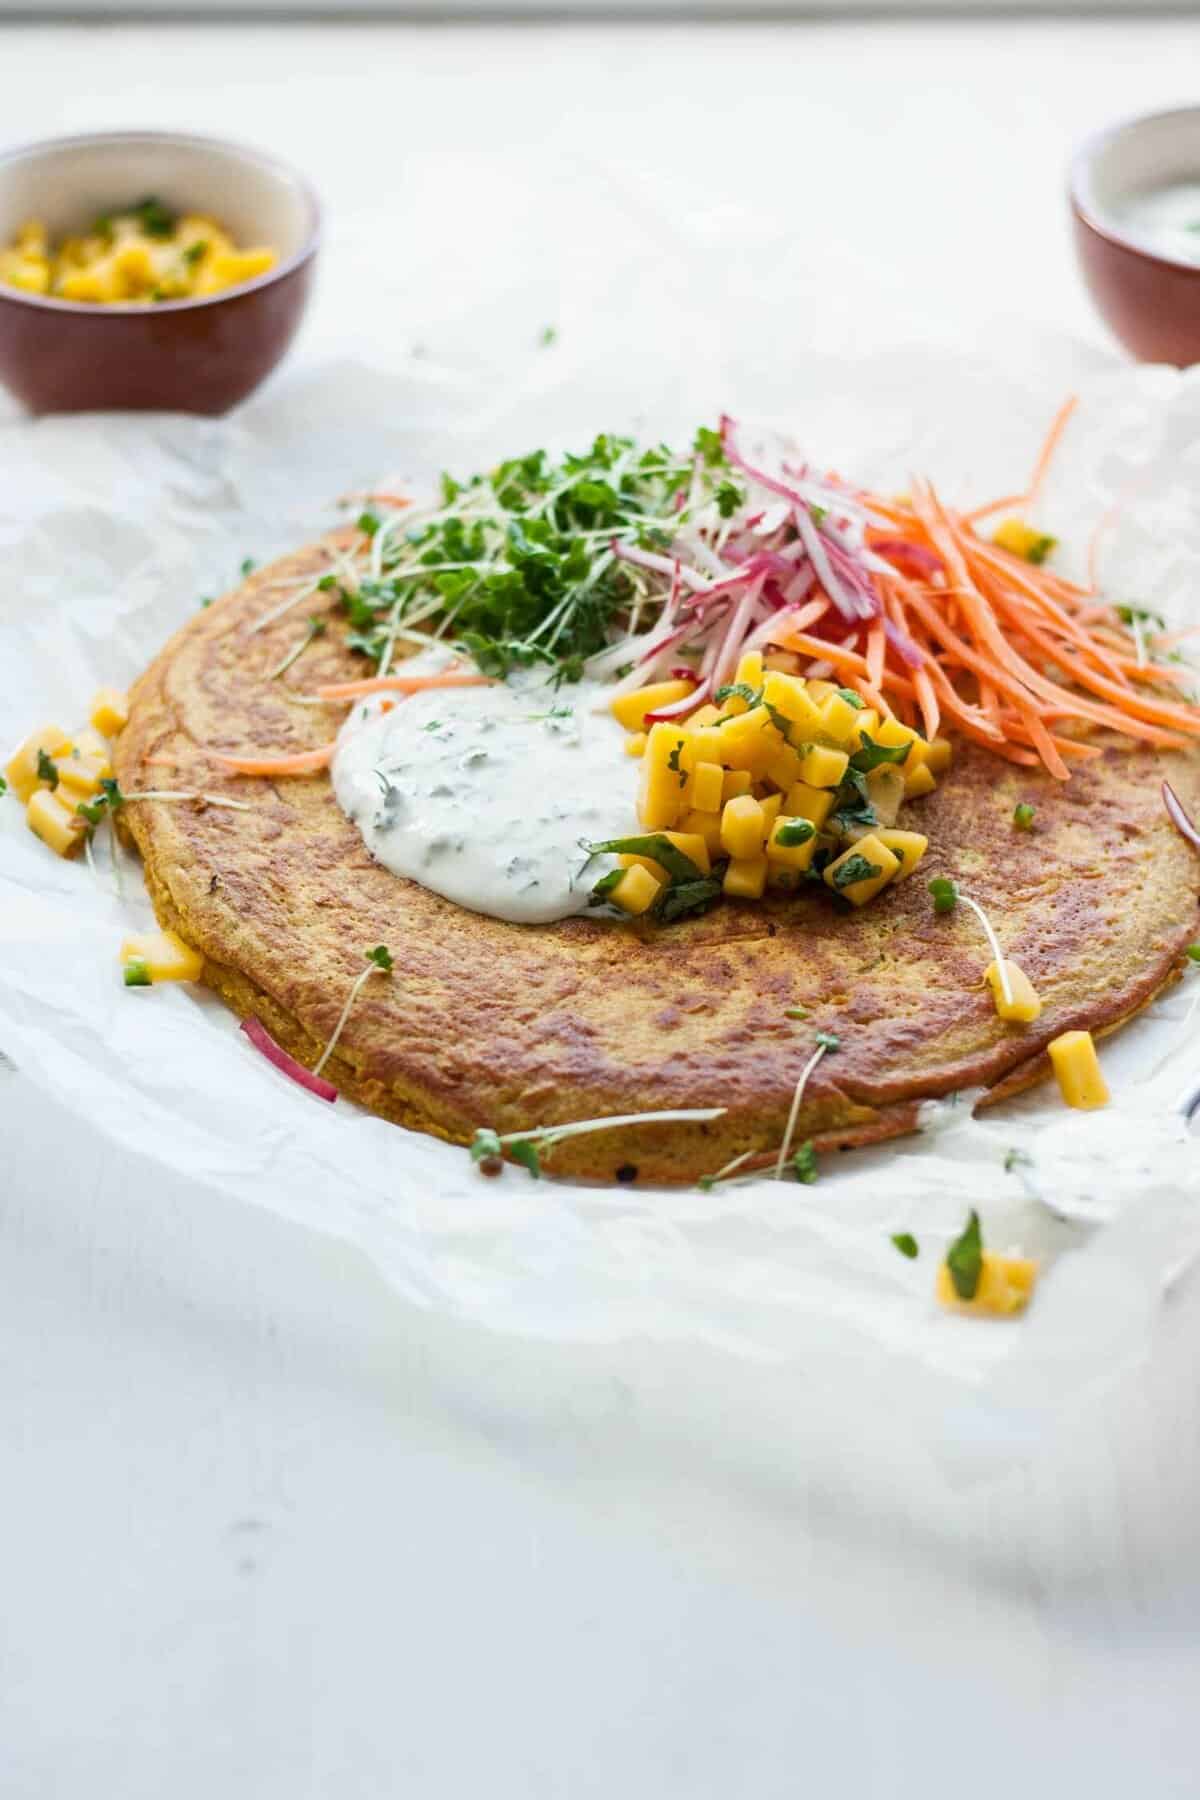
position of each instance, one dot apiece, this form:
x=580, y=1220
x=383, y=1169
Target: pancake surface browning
x=514, y=1026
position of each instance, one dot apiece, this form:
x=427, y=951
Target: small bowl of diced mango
x=148, y=270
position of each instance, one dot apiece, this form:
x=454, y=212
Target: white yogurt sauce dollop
x=484, y=793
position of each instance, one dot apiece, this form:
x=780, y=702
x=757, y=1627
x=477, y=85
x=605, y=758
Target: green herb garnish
x=707, y=443
x=47, y=769
x=194, y=252
x=485, y=1143
x=381, y=956
x=3, y=785
x=873, y=755
x=852, y=699
x=525, y=1153
x=657, y=847
x=752, y=696
x=964, y=1259
x=795, y=1012
x=855, y=868
x=1016, y=1159
x=155, y=219
x=548, y=336
x=1040, y=549
x=804, y=1163
x=136, y=974
x=793, y=832
x=945, y=894
x=673, y=764
x=729, y=497
x=1023, y=816
x=829, y=1041
x=906, y=1244
x=1140, y=615
x=247, y=566
x=1193, y=953
x=368, y=523
x=686, y=897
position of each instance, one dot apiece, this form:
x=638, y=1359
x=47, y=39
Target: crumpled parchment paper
x=111, y=531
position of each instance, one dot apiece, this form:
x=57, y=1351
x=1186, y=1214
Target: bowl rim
x=125, y=309
x=1080, y=167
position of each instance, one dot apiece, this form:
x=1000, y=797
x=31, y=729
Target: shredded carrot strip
x=1053, y=439
x=300, y=762
x=399, y=684
x=876, y=651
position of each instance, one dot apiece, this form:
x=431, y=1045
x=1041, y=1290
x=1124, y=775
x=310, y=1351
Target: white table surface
x=268, y=1534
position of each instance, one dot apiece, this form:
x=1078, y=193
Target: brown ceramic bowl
x=1138, y=243
x=198, y=356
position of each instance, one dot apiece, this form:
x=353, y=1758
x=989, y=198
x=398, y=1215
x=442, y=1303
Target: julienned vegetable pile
x=638, y=564
x=777, y=781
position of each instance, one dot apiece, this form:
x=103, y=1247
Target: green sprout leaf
x=964, y=1259
x=945, y=894
x=1023, y=815
x=829, y=1041
x=804, y=1163
x=381, y=956
x=906, y=1244
x=729, y=497
x=485, y=1143
x=707, y=443
x=525, y=1153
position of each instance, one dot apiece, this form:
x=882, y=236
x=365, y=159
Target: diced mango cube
x=635, y=745
x=784, y=768
x=693, y=844
x=839, y=717
x=708, y=714
x=792, y=842
x=80, y=775
x=819, y=690
x=1077, y=1067
x=705, y=791
x=862, y=870
x=630, y=710
x=706, y=825
x=109, y=711
x=918, y=781
x=742, y=828
x=1023, y=540
x=636, y=890
x=89, y=743
x=822, y=767
x=750, y=669
x=867, y=720
x=54, y=821
x=165, y=955
x=748, y=741
x=745, y=877
x=771, y=804
x=22, y=769
x=1005, y=1286
x=1025, y=1005
x=805, y=802
x=892, y=733
x=938, y=753
x=736, y=781
x=663, y=776
x=909, y=846
x=703, y=745
x=790, y=695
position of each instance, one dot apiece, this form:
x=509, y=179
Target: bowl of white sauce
x=1135, y=201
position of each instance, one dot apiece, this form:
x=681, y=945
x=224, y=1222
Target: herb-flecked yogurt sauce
x=483, y=794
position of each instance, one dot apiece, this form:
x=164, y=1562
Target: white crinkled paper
x=110, y=531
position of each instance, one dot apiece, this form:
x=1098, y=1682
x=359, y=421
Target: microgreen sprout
x=379, y=962
x=529, y=1147
x=1023, y=815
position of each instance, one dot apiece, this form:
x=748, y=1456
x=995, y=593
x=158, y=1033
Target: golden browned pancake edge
x=485, y=1023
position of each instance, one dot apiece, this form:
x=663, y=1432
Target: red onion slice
x=1178, y=816
x=287, y=1065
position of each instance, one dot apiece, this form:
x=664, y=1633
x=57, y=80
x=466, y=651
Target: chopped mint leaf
x=855, y=868
x=852, y=699
x=47, y=769
x=906, y=1244
x=964, y=1259
x=752, y=696
x=873, y=755
x=793, y=832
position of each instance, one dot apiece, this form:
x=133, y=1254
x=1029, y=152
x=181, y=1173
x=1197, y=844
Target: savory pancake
x=516, y=1026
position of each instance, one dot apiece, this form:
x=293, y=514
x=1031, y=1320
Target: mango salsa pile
x=142, y=255
x=59, y=778
x=783, y=780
